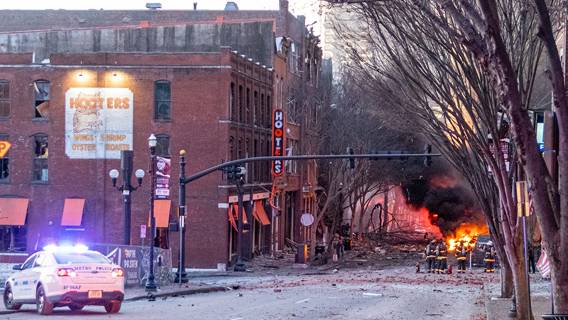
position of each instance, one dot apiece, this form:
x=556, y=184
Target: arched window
x=41, y=97
x=40, y=159
x=162, y=100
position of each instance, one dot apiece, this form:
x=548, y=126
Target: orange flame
x=468, y=233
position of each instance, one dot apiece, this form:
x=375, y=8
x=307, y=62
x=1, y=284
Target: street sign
x=523, y=204
x=142, y=231
x=4, y=147
x=307, y=219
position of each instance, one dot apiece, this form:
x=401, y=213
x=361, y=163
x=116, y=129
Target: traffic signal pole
x=230, y=167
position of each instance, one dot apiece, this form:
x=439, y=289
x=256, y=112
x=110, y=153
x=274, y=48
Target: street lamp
x=126, y=188
x=152, y=142
x=182, y=275
x=239, y=175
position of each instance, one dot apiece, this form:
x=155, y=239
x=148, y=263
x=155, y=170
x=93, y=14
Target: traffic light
x=240, y=172
x=351, y=160
x=428, y=159
x=230, y=172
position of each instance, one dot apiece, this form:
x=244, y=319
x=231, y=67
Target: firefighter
x=430, y=252
x=489, y=258
x=441, y=257
x=461, y=255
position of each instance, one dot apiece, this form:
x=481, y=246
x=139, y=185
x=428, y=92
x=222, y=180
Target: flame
x=468, y=233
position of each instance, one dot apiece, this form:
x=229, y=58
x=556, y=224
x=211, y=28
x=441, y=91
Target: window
x=4, y=98
x=4, y=162
x=43, y=260
x=162, y=145
x=30, y=262
x=232, y=148
x=241, y=107
x=41, y=93
x=248, y=109
x=78, y=258
x=13, y=239
x=162, y=100
x=256, y=109
x=262, y=108
x=233, y=102
x=40, y=172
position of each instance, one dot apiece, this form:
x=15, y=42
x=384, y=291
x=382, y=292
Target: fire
x=468, y=233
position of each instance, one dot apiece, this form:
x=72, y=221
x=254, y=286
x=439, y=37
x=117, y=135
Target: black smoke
x=449, y=205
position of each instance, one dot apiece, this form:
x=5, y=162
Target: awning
x=260, y=213
x=236, y=213
x=72, y=212
x=13, y=211
x=162, y=212
x=232, y=218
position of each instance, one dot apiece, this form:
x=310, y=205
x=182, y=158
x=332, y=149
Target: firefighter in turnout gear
x=431, y=256
x=461, y=255
x=441, y=257
x=489, y=258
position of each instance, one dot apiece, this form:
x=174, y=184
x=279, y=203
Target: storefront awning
x=236, y=213
x=72, y=212
x=162, y=212
x=232, y=218
x=13, y=211
x=260, y=213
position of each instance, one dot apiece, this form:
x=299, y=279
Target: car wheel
x=9, y=299
x=44, y=307
x=113, y=306
x=76, y=307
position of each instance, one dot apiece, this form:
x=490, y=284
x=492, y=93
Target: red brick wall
x=199, y=104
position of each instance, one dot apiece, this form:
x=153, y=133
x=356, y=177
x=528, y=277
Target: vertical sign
x=523, y=203
x=278, y=141
x=98, y=122
x=163, y=168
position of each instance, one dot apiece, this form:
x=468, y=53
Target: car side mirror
x=17, y=267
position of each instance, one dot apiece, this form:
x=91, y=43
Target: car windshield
x=84, y=257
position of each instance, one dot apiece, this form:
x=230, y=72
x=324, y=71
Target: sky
x=135, y=4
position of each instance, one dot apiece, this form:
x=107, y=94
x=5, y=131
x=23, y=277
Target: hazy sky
x=135, y=4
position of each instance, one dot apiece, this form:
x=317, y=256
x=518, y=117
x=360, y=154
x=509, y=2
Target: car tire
x=113, y=306
x=43, y=306
x=76, y=307
x=9, y=303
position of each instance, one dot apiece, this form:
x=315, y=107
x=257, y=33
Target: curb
x=3, y=312
x=182, y=292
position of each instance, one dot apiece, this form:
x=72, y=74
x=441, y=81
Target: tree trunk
x=521, y=291
x=560, y=291
x=506, y=279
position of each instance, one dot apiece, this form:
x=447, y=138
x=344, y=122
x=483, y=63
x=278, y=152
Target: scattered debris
x=277, y=290
x=303, y=301
x=371, y=294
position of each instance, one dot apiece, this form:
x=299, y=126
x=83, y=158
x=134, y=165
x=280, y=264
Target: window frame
x=6, y=100
x=38, y=159
x=158, y=102
x=159, y=138
x=48, y=99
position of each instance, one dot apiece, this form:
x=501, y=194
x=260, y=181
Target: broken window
x=40, y=172
x=13, y=239
x=4, y=98
x=162, y=100
x=41, y=93
x=162, y=145
x=4, y=162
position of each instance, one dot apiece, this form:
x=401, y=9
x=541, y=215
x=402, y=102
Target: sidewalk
x=498, y=308
x=173, y=290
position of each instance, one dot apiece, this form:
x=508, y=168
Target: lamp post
x=126, y=188
x=152, y=141
x=182, y=275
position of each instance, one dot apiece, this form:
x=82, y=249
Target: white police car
x=65, y=276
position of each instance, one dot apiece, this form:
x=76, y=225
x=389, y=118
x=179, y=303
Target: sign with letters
x=98, y=122
x=278, y=141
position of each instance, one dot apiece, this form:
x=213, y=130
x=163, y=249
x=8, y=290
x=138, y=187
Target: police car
x=65, y=276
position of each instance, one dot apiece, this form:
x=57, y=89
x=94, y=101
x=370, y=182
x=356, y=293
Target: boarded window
x=4, y=98
x=41, y=94
x=162, y=100
x=163, y=145
x=41, y=153
x=4, y=162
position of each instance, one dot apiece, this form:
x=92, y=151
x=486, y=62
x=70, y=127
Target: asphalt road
x=339, y=296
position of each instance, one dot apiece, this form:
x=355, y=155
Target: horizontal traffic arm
x=381, y=156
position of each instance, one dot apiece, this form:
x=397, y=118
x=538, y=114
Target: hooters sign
x=278, y=141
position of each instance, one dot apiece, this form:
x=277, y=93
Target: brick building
x=220, y=99
x=171, y=99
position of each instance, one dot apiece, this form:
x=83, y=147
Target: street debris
x=303, y=301
x=371, y=294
